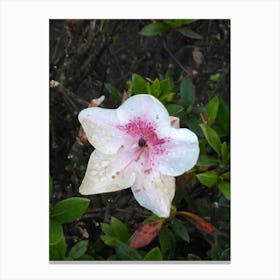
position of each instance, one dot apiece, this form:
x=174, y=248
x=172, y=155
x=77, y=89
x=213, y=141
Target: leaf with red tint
x=198, y=222
x=146, y=234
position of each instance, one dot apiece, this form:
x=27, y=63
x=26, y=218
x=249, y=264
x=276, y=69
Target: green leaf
x=212, y=138
x=215, y=77
x=78, y=249
x=174, y=109
x=85, y=257
x=223, y=117
x=208, y=179
x=139, y=85
x=187, y=32
x=224, y=188
x=180, y=229
x=212, y=109
x=107, y=229
x=155, y=88
x=225, y=152
x=179, y=22
x=225, y=176
x=187, y=92
x=69, y=209
x=125, y=253
x=194, y=125
x=150, y=219
x=108, y=240
x=206, y=161
x=119, y=229
x=114, y=92
x=165, y=87
x=167, y=242
x=57, y=245
x=153, y=29
x=167, y=97
x=153, y=255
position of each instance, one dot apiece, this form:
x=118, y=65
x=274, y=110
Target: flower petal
x=155, y=193
x=103, y=174
x=182, y=152
x=175, y=122
x=100, y=126
x=147, y=107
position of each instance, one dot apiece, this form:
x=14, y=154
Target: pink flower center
x=143, y=131
x=145, y=136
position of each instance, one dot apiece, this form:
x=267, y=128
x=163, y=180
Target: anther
x=142, y=142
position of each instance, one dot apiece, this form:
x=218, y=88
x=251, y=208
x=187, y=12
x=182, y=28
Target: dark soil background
x=86, y=54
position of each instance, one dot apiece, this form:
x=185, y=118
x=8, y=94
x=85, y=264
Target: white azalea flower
x=136, y=146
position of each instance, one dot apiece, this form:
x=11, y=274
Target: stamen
x=136, y=158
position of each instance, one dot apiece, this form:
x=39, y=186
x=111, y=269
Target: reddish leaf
x=146, y=234
x=198, y=222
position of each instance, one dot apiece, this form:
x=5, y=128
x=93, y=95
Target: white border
x=255, y=138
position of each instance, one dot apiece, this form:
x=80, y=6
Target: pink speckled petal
x=104, y=174
x=182, y=152
x=145, y=107
x=155, y=192
x=100, y=126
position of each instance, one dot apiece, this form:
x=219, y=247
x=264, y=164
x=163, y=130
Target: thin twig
x=69, y=95
x=186, y=70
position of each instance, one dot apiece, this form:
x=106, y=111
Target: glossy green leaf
x=153, y=255
x=225, y=152
x=119, y=229
x=114, y=92
x=224, y=188
x=187, y=92
x=124, y=252
x=167, y=242
x=225, y=176
x=78, y=249
x=208, y=179
x=57, y=246
x=85, y=257
x=139, y=85
x=212, y=138
x=107, y=229
x=150, y=219
x=153, y=29
x=174, y=109
x=69, y=209
x=187, y=32
x=194, y=125
x=180, y=229
x=206, y=161
x=179, y=22
x=165, y=87
x=108, y=240
x=155, y=88
x=215, y=77
x=212, y=109
x=223, y=117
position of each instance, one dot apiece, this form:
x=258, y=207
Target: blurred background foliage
x=185, y=63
